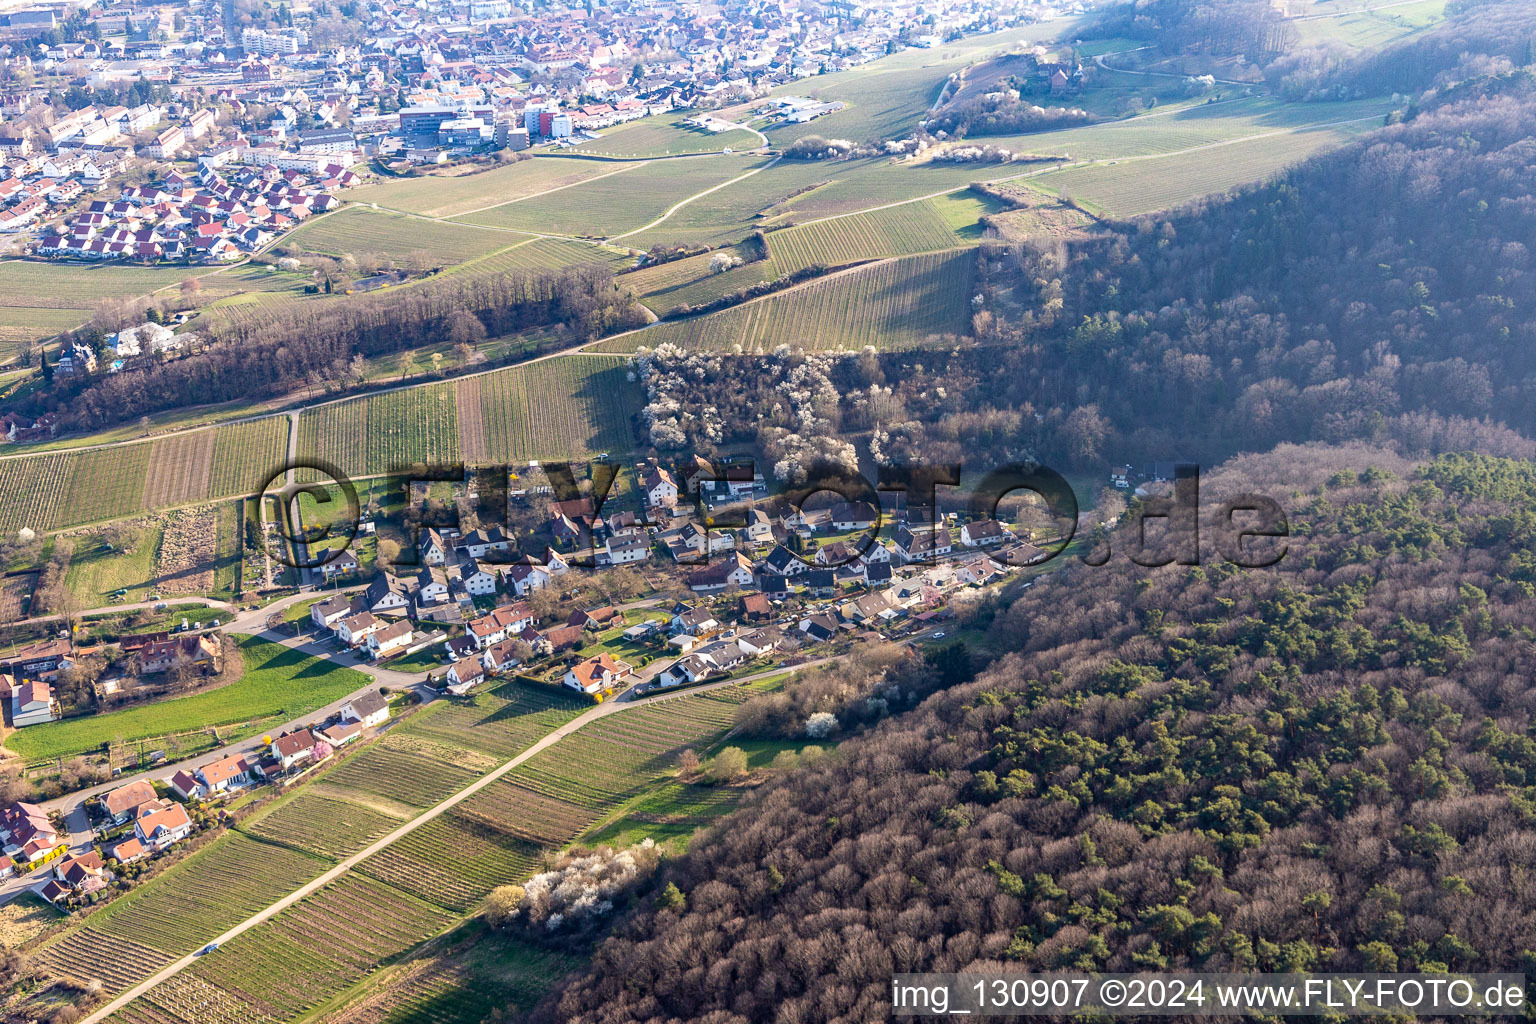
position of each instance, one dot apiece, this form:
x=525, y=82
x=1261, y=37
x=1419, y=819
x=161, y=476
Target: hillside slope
x=1326, y=765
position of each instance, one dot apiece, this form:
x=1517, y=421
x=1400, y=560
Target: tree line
x=255, y=358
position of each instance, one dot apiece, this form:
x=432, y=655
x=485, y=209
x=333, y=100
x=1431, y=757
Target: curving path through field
x=586, y=718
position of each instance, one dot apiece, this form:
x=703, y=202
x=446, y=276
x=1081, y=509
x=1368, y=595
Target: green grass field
x=619, y=202
x=1360, y=24
x=359, y=230
x=664, y=135
x=895, y=304
x=95, y=575
x=278, y=684
x=1130, y=187
x=440, y=195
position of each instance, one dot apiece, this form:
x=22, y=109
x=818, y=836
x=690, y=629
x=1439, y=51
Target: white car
x=939, y=635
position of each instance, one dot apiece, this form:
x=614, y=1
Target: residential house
x=853, y=515
x=819, y=582
x=83, y=873
x=354, y=630
x=596, y=673
x=982, y=533
x=160, y=828
x=464, y=676
x=821, y=626
x=368, y=709
x=658, y=487
x=694, y=472
x=29, y=836
x=122, y=804
x=627, y=549
x=782, y=562
x=33, y=703
x=185, y=785
x=922, y=544
x=388, y=595
x=39, y=660
x=563, y=638
x=759, y=528
x=390, y=640
x=225, y=774
x=688, y=669
x=325, y=614
x=293, y=748
x=432, y=549
x=758, y=643
x=694, y=622
x=129, y=851
x=501, y=657
x=431, y=585
x=734, y=571
x=482, y=542
x=596, y=619
x=343, y=562
x=475, y=578
x=201, y=652
x=520, y=578
x=754, y=608
x=496, y=625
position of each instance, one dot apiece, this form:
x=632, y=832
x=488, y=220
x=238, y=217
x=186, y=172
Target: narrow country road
x=585, y=718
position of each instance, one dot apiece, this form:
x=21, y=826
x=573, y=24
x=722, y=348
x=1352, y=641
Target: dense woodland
x=1382, y=290
x=1324, y=765
x=1252, y=29
x=1328, y=764
x=256, y=358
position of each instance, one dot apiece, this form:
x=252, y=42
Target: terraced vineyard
x=499, y=722
x=900, y=303
x=567, y=407
x=117, y=961
x=689, y=282
x=31, y=490
x=204, y=895
x=372, y=435
x=483, y=858
x=552, y=797
x=409, y=891
x=62, y=489
x=179, y=470
x=895, y=231
x=324, y=943
x=542, y=254
x=664, y=135
x=404, y=776
x=324, y=825
x=245, y=454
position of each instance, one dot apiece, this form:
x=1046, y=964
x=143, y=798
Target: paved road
x=586, y=718
x=72, y=805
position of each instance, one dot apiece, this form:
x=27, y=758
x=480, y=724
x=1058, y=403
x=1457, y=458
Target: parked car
x=939, y=635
